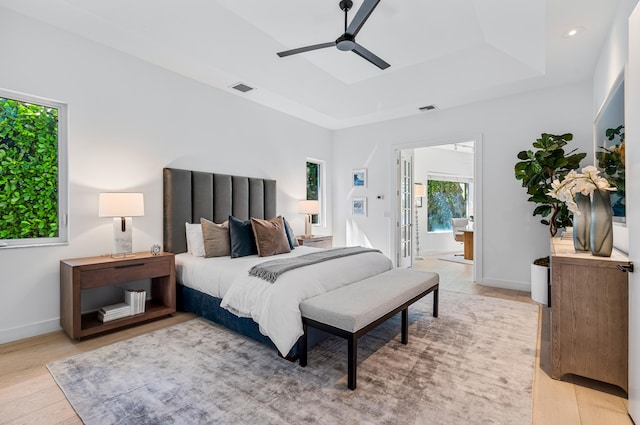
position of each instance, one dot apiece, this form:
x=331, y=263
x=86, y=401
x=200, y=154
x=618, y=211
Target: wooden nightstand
x=316, y=241
x=79, y=274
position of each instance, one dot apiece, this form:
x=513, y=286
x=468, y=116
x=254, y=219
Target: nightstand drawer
x=123, y=273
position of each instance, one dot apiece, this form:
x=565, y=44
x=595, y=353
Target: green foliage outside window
x=445, y=200
x=612, y=163
x=313, y=179
x=28, y=170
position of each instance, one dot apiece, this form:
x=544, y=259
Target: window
x=33, y=182
x=315, y=188
x=446, y=200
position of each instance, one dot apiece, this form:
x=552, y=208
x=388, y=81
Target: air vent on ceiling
x=242, y=87
x=427, y=108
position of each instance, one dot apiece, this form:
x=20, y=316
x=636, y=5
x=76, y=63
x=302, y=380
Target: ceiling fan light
x=346, y=45
x=345, y=42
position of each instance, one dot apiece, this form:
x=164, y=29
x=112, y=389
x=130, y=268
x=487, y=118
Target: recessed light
x=572, y=32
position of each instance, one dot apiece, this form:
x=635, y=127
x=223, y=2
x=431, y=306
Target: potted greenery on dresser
x=537, y=169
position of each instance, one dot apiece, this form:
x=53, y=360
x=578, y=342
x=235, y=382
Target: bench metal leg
x=352, y=362
x=405, y=326
x=435, y=302
x=302, y=346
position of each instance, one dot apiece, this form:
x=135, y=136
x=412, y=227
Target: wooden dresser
x=589, y=315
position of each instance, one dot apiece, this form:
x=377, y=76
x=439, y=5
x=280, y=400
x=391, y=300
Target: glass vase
x=601, y=237
x=582, y=223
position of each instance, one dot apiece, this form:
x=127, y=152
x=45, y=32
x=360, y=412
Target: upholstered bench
x=353, y=310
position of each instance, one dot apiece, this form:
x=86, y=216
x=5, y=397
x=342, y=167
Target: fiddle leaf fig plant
x=538, y=168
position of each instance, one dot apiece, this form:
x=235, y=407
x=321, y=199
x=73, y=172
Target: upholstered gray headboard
x=189, y=195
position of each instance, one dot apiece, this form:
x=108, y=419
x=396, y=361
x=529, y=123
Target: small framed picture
x=359, y=206
x=359, y=177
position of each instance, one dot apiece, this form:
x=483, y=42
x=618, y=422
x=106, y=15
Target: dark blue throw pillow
x=241, y=236
x=293, y=242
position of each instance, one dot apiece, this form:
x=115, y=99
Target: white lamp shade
x=121, y=205
x=308, y=207
x=419, y=190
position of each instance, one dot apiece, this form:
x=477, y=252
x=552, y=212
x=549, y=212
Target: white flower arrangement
x=585, y=183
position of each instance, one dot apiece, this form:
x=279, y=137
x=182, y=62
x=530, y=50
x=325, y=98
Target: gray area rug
x=472, y=365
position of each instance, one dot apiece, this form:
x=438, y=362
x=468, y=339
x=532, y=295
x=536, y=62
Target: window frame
x=321, y=191
x=63, y=178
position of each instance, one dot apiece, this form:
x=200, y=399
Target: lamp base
x=307, y=227
x=123, y=255
x=122, y=237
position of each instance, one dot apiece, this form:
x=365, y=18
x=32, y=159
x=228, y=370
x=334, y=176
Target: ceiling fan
x=347, y=41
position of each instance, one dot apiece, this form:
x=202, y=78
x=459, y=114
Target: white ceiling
x=446, y=53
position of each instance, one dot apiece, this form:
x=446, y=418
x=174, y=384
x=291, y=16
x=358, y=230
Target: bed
x=220, y=289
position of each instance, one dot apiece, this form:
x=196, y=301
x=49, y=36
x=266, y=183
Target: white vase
x=539, y=284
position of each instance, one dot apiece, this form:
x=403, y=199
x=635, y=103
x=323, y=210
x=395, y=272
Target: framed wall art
x=359, y=177
x=359, y=206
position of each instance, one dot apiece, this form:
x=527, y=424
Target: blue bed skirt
x=206, y=306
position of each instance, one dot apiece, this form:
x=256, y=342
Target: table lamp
x=121, y=206
x=309, y=208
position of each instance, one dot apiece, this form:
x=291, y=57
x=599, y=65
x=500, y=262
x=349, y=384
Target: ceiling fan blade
x=361, y=17
x=364, y=53
x=306, y=49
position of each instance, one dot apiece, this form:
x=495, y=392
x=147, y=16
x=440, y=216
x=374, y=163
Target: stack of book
x=136, y=299
x=114, y=311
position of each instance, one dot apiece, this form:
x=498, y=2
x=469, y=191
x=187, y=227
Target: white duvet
x=275, y=306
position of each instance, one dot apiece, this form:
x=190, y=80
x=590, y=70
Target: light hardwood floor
x=29, y=395
x=572, y=401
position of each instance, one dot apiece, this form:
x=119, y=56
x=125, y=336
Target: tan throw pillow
x=216, y=238
x=271, y=237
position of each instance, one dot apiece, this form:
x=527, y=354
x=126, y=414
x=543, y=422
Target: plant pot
x=540, y=284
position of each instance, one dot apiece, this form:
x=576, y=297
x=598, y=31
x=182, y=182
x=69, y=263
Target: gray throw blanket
x=271, y=270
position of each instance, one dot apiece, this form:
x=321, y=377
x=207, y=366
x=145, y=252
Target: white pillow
x=195, y=241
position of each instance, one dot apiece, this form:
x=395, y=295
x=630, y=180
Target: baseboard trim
x=505, y=284
x=27, y=331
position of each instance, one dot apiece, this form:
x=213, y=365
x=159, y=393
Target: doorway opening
x=438, y=203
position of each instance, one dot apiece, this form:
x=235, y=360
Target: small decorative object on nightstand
x=316, y=241
x=156, y=249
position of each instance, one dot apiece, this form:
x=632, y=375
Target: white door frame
x=632, y=132
x=477, y=198
x=402, y=157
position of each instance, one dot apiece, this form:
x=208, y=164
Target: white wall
x=609, y=69
x=512, y=238
x=434, y=160
x=613, y=56
x=127, y=120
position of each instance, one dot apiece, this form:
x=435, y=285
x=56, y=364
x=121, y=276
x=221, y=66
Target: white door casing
x=405, y=204
x=632, y=160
